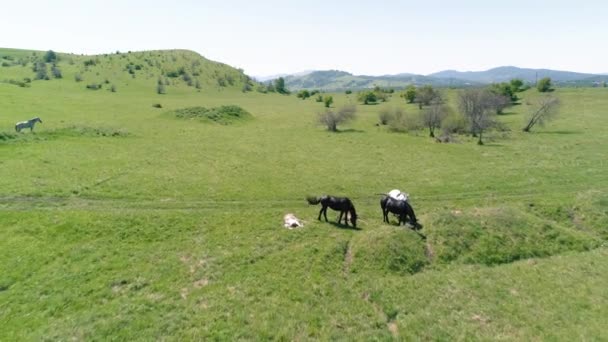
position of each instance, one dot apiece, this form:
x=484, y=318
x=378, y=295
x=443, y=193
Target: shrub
x=113, y=88
x=56, y=72
x=328, y=100
x=348, y=92
x=385, y=116
x=401, y=122
x=78, y=77
x=331, y=119
x=157, y=105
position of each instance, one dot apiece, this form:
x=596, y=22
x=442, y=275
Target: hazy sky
x=363, y=37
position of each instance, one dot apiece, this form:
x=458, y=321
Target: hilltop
x=174, y=69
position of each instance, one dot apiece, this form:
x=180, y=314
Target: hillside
x=174, y=69
x=333, y=80
x=506, y=73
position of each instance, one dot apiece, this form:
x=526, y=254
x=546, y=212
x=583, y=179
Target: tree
x=303, y=94
x=499, y=102
x=476, y=106
x=279, y=86
x=426, y=95
x=50, y=56
x=328, y=100
x=545, y=109
x=410, y=94
x=544, y=85
x=433, y=116
x=331, y=119
x=517, y=85
x=367, y=97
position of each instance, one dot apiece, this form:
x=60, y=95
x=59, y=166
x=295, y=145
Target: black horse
x=401, y=208
x=341, y=204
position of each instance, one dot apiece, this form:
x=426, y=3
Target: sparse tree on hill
x=476, y=106
x=544, y=85
x=433, y=116
x=50, y=56
x=328, y=100
x=331, y=118
x=545, y=109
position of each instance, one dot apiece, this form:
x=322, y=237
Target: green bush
x=224, y=114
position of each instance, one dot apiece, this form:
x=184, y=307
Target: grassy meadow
x=119, y=220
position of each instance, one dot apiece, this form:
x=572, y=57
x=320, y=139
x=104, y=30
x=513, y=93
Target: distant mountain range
x=336, y=80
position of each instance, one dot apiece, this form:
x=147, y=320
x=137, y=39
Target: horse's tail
x=313, y=200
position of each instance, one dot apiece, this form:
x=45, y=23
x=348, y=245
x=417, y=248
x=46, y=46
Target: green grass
x=119, y=221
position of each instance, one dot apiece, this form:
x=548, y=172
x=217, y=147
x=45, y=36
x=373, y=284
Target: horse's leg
x=320, y=212
x=340, y=217
x=325, y=213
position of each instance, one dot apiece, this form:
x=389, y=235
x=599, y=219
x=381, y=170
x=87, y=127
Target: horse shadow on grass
x=350, y=130
x=343, y=226
x=561, y=132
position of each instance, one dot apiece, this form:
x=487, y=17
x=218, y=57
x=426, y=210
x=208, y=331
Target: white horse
x=290, y=221
x=398, y=195
x=27, y=124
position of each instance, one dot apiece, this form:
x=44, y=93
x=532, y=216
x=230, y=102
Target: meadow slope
x=119, y=220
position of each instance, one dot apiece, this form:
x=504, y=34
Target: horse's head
x=353, y=217
x=37, y=119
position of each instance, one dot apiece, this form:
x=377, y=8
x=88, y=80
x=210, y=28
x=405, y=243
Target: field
x=119, y=220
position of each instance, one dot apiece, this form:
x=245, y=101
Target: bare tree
x=433, y=115
x=545, y=109
x=476, y=106
x=331, y=118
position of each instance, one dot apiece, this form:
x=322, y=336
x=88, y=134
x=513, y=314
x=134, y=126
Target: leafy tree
x=303, y=94
x=410, y=94
x=433, y=116
x=367, y=97
x=113, y=88
x=279, y=86
x=517, y=85
x=50, y=56
x=319, y=98
x=328, y=100
x=348, y=92
x=476, y=106
x=78, y=77
x=331, y=118
x=544, y=85
x=545, y=109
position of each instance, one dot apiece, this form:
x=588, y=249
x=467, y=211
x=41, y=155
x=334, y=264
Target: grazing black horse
x=341, y=204
x=402, y=208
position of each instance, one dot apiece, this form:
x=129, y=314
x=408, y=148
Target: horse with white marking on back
x=27, y=124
